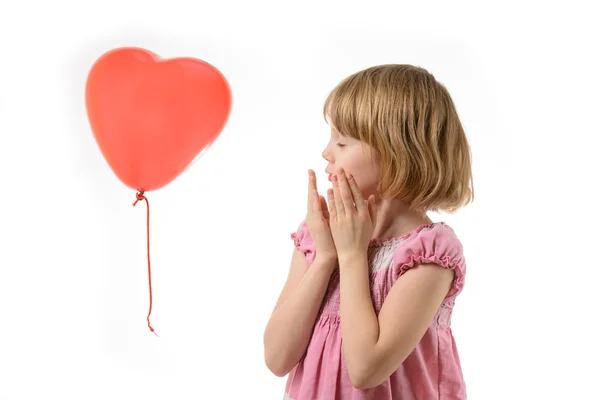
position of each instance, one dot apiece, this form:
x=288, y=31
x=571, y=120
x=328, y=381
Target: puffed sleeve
x=437, y=244
x=304, y=242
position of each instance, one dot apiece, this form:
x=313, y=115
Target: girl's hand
x=317, y=221
x=352, y=218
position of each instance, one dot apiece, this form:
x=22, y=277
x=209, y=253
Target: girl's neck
x=394, y=219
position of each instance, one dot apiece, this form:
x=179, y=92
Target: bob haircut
x=410, y=120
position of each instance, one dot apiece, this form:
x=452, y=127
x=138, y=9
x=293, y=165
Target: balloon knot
x=139, y=197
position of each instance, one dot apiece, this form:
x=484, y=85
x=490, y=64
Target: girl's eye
x=340, y=145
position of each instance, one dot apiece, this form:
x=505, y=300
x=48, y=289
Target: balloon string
x=140, y=196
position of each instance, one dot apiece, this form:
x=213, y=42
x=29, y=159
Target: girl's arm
x=290, y=327
x=374, y=347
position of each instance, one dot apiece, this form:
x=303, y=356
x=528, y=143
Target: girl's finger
x=359, y=200
x=314, y=204
x=337, y=197
x=324, y=208
x=345, y=193
x=331, y=201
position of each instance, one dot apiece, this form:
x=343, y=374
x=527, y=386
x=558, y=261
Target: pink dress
x=431, y=371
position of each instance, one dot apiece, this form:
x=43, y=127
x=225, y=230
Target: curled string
x=140, y=197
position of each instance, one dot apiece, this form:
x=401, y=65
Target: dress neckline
x=383, y=241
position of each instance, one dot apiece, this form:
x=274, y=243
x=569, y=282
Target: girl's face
x=357, y=158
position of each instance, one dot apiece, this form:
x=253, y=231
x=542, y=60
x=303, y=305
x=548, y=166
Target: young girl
x=365, y=311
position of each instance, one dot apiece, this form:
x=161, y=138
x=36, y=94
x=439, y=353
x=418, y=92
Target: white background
x=73, y=282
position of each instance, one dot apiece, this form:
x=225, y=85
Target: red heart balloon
x=152, y=117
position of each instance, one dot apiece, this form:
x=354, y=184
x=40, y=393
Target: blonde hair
x=410, y=120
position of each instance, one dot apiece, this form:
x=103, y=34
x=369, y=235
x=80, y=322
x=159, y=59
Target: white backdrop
x=73, y=282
